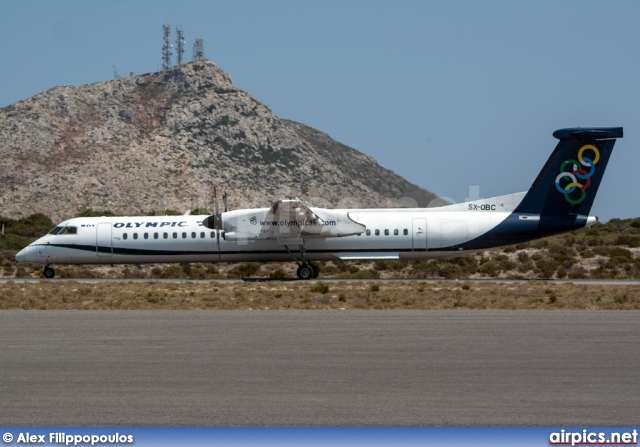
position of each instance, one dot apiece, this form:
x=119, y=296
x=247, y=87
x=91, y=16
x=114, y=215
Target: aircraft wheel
x=316, y=270
x=49, y=272
x=305, y=272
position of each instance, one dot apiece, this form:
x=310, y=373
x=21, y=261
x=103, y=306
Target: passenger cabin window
x=202, y=235
x=135, y=235
x=175, y=235
x=193, y=235
x=213, y=234
x=124, y=236
x=405, y=232
x=377, y=232
x=184, y=235
x=368, y=232
x=155, y=235
x=146, y=235
x=165, y=235
x=386, y=232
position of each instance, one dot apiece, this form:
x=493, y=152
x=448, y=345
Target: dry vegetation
x=281, y=295
x=606, y=251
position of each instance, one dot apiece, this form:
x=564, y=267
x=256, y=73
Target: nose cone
x=26, y=255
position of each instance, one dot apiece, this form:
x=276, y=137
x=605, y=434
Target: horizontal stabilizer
x=586, y=133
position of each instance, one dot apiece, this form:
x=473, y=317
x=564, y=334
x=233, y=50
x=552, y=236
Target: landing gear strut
x=49, y=272
x=305, y=270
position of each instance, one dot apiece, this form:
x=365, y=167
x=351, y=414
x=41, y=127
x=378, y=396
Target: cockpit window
x=68, y=230
x=56, y=230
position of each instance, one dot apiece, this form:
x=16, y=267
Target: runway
x=319, y=368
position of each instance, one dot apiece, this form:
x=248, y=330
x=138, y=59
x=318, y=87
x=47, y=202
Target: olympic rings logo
x=578, y=173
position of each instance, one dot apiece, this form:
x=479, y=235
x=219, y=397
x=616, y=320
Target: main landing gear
x=306, y=270
x=48, y=272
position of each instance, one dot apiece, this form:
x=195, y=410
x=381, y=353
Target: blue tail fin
x=568, y=182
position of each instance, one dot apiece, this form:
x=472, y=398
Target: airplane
x=558, y=201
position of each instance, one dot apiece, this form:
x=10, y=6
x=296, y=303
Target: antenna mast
x=198, y=50
x=166, y=47
x=180, y=44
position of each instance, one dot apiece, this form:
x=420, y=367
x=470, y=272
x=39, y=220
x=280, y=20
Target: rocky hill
x=162, y=140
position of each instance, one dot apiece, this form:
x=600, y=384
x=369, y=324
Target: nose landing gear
x=48, y=272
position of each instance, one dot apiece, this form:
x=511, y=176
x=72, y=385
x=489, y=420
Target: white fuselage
x=390, y=234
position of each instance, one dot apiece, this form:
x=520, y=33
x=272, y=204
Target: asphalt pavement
x=319, y=368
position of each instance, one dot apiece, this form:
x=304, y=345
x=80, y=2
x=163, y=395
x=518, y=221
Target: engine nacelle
x=284, y=223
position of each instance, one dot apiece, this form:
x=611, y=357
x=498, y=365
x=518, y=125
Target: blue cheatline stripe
x=145, y=252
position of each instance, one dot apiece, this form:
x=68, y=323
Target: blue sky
x=448, y=94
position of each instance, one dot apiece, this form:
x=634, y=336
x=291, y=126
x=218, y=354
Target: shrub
x=366, y=274
x=587, y=253
x=556, y=249
x=507, y=264
x=173, y=271
x=525, y=267
x=245, y=270
x=345, y=267
x=601, y=250
x=14, y=242
x=577, y=274
x=390, y=264
x=545, y=268
x=490, y=268
x=279, y=274
x=21, y=272
x=320, y=288
x=380, y=265
x=450, y=270
x=626, y=239
x=619, y=252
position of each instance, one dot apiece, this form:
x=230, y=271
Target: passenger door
x=104, y=240
x=419, y=234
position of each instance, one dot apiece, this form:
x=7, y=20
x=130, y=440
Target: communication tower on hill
x=198, y=50
x=180, y=45
x=166, y=47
